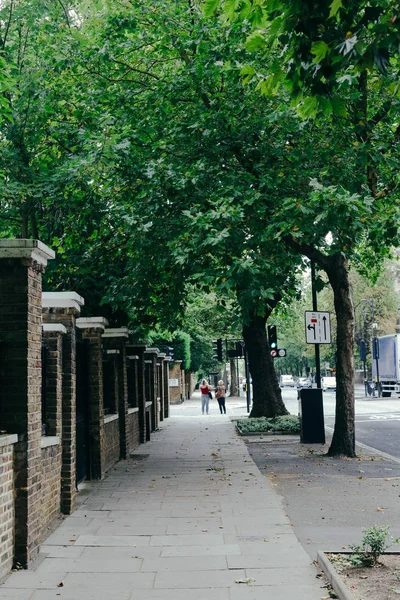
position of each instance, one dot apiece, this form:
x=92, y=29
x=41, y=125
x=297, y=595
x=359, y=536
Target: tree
x=330, y=79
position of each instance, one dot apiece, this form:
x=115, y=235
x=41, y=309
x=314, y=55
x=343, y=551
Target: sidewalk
x=189, y=517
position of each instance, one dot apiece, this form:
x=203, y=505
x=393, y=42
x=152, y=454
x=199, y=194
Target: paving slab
x=188, y=517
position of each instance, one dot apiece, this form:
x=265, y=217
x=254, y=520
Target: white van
x=328, y=383
x=287, y=381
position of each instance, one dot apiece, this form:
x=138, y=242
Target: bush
x=375, y=541
x=286, y=424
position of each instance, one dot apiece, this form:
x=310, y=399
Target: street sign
x=281, y=352
x=274, y=353
x=318, y=327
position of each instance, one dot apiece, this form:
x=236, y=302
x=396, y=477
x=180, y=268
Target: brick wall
x=50, y=496
x=96, y=405
x=6, y=509
x=133, y=430
x=67, y=316
x=176, y=391
x=20, y=330
x=111, y=443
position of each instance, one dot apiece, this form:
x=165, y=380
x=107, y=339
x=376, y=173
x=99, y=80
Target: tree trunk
x=267, y=397
x=343, y=441
x=234, y=390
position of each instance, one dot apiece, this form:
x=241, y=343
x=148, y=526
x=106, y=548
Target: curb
x=333, y=577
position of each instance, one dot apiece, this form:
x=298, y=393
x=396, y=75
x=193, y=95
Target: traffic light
x=363, y=351
x=217, y=350
x=375, y=348
x=272, y=337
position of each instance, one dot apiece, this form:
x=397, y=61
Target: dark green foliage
x=284, y=424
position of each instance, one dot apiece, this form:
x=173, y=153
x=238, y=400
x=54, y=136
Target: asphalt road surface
x=377, y=419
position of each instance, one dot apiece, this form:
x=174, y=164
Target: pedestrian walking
x=220, y=396
x=205, y=390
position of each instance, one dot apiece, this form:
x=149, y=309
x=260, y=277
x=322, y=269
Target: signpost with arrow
x=318, y=327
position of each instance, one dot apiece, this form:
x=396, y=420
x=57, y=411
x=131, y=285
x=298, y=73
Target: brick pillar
x=116, y=339
x=160, y=376
x=92, y=331
x=63, y=308
x=176, y=382
x=138, y=349
x=167, y=399
x=151, y=359
x=53, y=339
x=22, y=263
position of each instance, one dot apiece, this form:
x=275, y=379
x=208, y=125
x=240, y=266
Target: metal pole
x=315, y=308
x=376, y=347
x=246, y=366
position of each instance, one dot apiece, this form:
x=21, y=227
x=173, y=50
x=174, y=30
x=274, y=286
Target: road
x=377, y=419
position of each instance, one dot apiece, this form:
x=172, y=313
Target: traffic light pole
x=315, y=308
x=247, y=371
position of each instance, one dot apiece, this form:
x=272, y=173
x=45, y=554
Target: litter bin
x=311, y=414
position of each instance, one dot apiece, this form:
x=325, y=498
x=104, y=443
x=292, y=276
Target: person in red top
x=205, y=398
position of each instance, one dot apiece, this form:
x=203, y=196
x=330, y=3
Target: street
x=377, y=419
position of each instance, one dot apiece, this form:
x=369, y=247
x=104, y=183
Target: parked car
x=328, y=383
x=287, y=381
x=304, y=382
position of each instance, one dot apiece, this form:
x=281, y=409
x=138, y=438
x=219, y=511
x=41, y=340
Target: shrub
x=286, y=424
x=375, y=541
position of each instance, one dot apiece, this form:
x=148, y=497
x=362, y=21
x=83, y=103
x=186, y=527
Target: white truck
x=388, y=363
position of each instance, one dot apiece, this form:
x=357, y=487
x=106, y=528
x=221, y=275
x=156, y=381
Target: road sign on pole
x=318, y=327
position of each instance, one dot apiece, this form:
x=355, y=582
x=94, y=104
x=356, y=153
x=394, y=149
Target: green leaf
x=209, y=7
x=320, y=49
x=308, y=107
x=247, y=73
x=230, y=8
x=336, y=4
x=339, y=106
x=254, y=42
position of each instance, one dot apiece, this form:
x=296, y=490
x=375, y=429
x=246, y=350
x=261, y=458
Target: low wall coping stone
x=92, y=323
x=11, y=248
x=50, y=440
x=132, y=410
x=8, y=438
x=114, y=332
x=62, y=300
x=56, y=327
x=110, y=418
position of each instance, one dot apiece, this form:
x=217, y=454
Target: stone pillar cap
x=161, y=355
x=133, y=357
x=26, y=249
x=56, y=327
x=137, y=345
x=62, y=300
x=113, y=332
x=92, y=323
x=153, y=350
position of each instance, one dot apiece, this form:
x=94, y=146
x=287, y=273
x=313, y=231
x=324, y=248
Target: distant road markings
x=389, y=417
